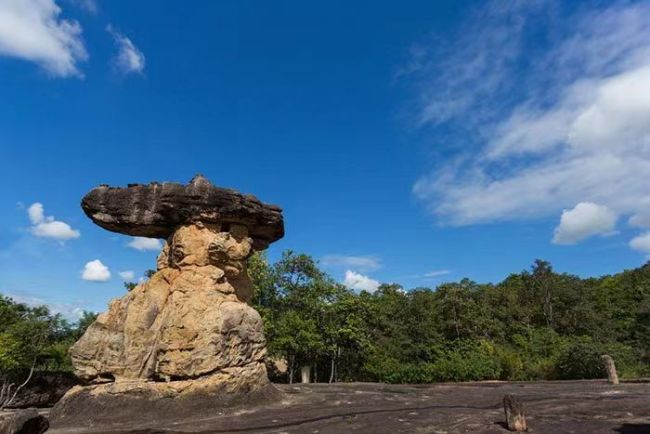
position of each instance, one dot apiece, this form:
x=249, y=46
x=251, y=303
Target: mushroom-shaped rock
x=185, y=341
x=155, y=210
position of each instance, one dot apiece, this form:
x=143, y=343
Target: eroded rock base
x=137, y=403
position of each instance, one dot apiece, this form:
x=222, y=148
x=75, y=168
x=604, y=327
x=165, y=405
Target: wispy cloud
x=142, y=243
x=436, y=273
x=429, y=275
x=364, y=263
x=540, y=127
x=128, y=59
x=127, y=275
x=70, y=311
x=89, y=6
x=32, y=30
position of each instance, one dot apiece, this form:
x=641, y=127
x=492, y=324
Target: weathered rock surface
x=155, y=210
x=187, y=335
x=23, y=422
x=579, y=407
x=132, y=403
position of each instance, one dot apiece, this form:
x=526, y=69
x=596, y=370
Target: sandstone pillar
x=514, y=411
x=185, y=341
x=610, y=367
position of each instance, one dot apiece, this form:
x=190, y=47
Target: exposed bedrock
x=186, y=335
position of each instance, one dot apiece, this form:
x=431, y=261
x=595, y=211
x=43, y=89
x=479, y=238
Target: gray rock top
x=155, y=210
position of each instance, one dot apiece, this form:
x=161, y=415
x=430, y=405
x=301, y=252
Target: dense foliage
x=537, y=324
x=33, y=336
x=534, y=325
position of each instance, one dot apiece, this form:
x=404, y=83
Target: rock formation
x=514, y=410
x=186, y=339
x=610, y=368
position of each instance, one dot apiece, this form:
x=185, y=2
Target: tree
x=297, y=322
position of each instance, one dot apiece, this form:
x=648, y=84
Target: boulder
x=26, y=421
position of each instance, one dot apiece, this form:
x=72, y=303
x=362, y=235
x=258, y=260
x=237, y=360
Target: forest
x=534, y=325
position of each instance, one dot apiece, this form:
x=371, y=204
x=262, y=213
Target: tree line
x=534, y=325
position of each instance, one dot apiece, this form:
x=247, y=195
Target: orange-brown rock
x=187, y=332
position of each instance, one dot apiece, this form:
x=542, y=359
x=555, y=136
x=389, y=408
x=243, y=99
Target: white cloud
x=129, y=59
x=358, y=262
x=436, y=273
x=36, y=213
x=537, y=130
x=360, y=282
x=142, y=243
x=127, y=275
x=87, y=5
x=71, y=311
x=585, y=220
x=641, y=243
x=48, y=227
x=95, y=271
x=642, y=217
x=33, y=30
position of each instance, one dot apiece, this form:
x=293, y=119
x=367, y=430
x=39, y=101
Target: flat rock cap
x=155, y=210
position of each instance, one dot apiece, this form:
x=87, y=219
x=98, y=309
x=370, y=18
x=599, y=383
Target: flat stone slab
x=551, y=408
x=155, y=210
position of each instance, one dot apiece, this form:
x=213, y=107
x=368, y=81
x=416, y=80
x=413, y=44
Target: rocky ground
x=551, y=407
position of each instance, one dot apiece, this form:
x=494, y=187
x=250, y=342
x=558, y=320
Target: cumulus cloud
x=537, y=129
x=641, y=243
x=142, y=243
x=95, y=271
x=33, y=30
x=127, y=275
x=48, y=227
x=357, y=262
x=128, y=59
x=360, y=282
x=585, y=220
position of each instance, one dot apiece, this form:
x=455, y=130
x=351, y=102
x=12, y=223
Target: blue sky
x=416, y=142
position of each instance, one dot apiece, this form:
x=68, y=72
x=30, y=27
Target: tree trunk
x=305, y=372
x=315, y=372
x=332, y=370
x=291, y=368
x=610, y=367
x=6, y=398
x=336, y=366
